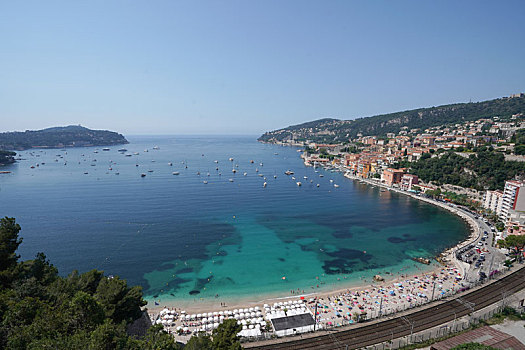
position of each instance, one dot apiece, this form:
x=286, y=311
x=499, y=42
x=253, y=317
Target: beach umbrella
x=185, y=329
x=199, y=315
x=236, y=316
x=244, y=327
x=215, y=313
x=251, y=326
x=266, y=305
x=251, y=309
x=183, y=312
x=235, y=311
x=216, y=325
x=256, y=308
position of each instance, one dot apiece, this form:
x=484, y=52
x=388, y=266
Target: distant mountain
x=335, y=130
x=58, y=137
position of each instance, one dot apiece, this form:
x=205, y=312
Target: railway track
x=414, y=322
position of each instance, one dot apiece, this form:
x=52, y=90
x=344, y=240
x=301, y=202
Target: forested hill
x=57, y=137
x=334, y=130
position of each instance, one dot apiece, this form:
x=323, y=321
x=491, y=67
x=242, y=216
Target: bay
x=181, y=238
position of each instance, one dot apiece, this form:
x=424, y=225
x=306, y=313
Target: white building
x=513, y=198
x=493, y=200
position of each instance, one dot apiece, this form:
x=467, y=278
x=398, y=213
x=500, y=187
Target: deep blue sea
x=181, y=238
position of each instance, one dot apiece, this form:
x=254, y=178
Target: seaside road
x=401, y=326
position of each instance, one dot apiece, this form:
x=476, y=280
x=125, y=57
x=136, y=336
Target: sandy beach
x=366, y=298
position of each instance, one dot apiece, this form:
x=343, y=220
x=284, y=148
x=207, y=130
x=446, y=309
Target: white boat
x=317, y=185
x=216, y=161
x=336, y=185
x=245, y=174
x=205, y=182
x=230, y=159
x=299, y=183
x=305, y=177
x=264, y=184
x=275, y=176
x=170, y=163
x=105, y=149
x=234, y=171
x=142, y=175
x=156, y=147
x=231, y=180
x=288, y=172
x=175, y=173
x=331, y=180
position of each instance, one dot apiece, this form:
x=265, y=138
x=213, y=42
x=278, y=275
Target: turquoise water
x=182, y=239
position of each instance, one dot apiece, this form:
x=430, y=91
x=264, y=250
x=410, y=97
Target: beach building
x=493, y=200
x=513, y=198
x=392, y=176
x=407, y=181
x=516, y=223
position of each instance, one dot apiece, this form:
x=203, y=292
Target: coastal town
x=496, y=217
x=388, y=159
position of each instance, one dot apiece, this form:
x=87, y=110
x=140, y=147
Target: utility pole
x=491, y=262
x=315, y=315
x=433, y=290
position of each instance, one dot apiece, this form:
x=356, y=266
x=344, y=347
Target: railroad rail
x=407, y=324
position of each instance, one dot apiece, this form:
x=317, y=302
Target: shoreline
x=447, y=260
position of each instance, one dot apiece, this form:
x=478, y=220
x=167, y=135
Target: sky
x=246, y=67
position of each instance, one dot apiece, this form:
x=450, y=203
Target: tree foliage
x=333, y=130
x=485, y=170
x=69, y=136
x=41, y=310
x=225, y=336
x=7, y=157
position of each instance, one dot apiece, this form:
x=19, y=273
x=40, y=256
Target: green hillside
x=58, y=137
x=334, y=130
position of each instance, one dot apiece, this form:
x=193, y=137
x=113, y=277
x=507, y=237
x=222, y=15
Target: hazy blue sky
x=248, y=66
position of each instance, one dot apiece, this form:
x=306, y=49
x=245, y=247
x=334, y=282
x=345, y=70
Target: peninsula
x=58, y=137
